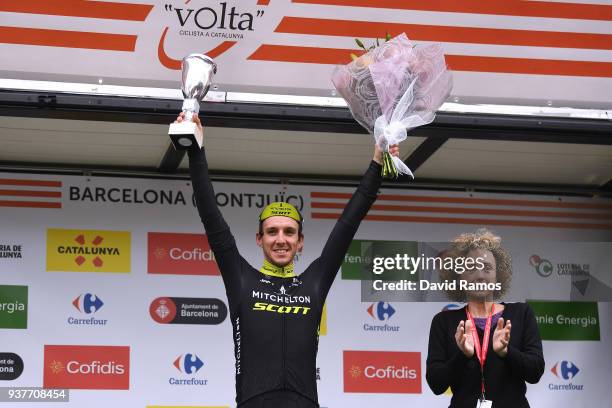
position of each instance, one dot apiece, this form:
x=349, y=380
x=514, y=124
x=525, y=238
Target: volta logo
x=87, y=303
x=543, y=267
x=187, y=310
x=13, y=307
x=381, y=311
x=180, y=254
x=87, y=367
x=88, y=251
x=565, y=370
x=382, y=372
x=188, y=363
x=11, y=366
x=228, y=21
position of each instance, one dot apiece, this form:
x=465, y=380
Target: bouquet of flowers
x=393, y=88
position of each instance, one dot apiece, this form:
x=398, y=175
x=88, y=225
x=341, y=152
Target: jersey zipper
x=284, y=357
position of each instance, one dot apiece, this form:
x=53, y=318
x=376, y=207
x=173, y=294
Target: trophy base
x=184, y=135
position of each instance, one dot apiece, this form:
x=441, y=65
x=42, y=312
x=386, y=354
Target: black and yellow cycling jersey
x=275, y=319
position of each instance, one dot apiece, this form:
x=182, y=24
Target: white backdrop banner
x=108, y=287
x=507, y=51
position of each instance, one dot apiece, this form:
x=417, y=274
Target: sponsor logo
x=167, y=310
x=180, y=254
x=545, y=268
x=87, y=367
x=11, y=366
x=188, y=364
x=381, y=312
x=270, y=307
x=88, y=251
x=382, y=372
x=566, y=371
x=318, y=373
x=282, y=301
x=87, y=304
x=13, y=307
x=567, y=320
x=13, y=251
x=220, y=24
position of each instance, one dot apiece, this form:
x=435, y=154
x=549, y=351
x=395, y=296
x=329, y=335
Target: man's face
x=280, y=240
x=487, y=274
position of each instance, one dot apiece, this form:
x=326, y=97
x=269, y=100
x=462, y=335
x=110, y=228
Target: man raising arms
x=275, y=313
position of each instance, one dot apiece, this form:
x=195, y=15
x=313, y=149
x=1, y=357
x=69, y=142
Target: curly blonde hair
x=485, y=240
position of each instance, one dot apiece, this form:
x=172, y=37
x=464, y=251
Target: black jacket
x=504, y=377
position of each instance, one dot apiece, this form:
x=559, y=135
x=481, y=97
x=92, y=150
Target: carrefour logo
x=87, y=303
x=188, y=364
x=565, y=370
x=381, y=312
x=543, y=267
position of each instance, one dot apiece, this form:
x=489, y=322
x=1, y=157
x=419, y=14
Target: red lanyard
x=481, y=351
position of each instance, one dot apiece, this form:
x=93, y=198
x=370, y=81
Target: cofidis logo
x=88, y=251
x=180, y=254
x=382, y=372
x=87, y=367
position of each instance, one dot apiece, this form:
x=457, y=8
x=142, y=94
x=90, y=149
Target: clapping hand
x=501, y=337
x=464, y=338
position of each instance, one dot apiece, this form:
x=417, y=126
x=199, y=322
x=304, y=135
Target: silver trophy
x=198, y=71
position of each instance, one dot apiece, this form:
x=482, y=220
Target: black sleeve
x=219, y=236
x=527, y=363
x=341, y=236
x=441, y=368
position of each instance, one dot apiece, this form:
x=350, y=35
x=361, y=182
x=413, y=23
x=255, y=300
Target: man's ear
x=258, y=239
x=300, y=243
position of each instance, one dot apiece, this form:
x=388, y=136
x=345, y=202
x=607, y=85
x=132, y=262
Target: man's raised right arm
x=221, y=240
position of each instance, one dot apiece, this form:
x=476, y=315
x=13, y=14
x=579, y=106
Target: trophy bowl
x=198, y=71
